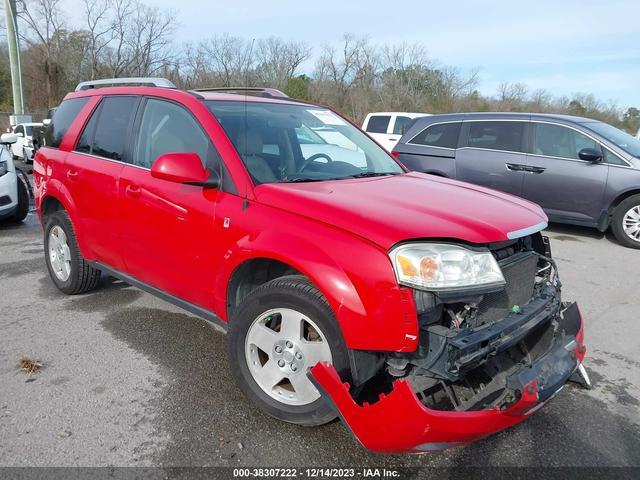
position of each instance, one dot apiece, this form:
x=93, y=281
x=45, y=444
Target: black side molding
x=203, y=313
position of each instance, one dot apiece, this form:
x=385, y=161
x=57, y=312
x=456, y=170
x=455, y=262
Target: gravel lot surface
x=131, y=380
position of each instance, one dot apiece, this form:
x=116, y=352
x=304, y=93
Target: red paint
x=399, y=422
x=179, y=168
x=171, y=235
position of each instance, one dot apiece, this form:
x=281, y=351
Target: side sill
x=203, y=313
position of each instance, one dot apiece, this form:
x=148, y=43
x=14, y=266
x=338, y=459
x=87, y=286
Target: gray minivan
x=581, y=171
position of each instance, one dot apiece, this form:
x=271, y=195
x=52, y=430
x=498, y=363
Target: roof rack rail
x=253, y=91
x=105, y=82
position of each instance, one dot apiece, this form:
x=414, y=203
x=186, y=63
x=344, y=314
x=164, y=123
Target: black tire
x=83, y=277
x=23, y=197
x=25, y=157
x=617, y=221
x=298, y=293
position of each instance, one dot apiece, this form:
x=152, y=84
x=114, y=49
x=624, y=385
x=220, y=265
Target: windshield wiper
x=305, y=179
x=372, y=174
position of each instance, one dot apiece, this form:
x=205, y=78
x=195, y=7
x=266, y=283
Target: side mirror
x=8, y=138
x=590, y=154
x=182, y=167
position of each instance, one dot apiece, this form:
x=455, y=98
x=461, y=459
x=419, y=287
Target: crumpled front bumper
x=399, y=422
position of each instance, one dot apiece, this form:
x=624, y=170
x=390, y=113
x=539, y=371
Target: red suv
x=425, y=312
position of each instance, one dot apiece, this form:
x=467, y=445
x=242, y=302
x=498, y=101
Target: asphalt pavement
x=131, y=380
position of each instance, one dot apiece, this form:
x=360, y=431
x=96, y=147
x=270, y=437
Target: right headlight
x=3, y=167
x=443, y=267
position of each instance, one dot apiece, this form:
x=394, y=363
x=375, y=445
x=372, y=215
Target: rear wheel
x=626, y=222
x=280, y=331
x=70, y=272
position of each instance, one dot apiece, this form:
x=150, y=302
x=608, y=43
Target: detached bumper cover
x=399, y=422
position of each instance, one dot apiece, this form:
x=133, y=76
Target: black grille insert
x=5, y=200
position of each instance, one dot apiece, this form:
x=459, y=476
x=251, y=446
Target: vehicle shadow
x=562, y=231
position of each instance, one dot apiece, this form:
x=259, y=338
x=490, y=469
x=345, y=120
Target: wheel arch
x=356, y=279
x=622, y=197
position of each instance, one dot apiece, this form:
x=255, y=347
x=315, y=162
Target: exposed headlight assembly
x=444, y=267
x=3, y=167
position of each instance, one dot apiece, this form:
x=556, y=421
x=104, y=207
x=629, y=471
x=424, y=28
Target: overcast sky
x=564, y=46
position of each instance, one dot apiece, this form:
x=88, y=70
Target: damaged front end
x=486, y=360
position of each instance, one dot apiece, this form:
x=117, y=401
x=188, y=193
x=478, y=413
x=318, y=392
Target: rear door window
x=496, y=135
x=62, y=119
x=443, y=135
x=107, y=132
x=401, y=125
x=378, y=124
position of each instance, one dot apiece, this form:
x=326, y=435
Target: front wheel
x=280, y=331
x=626, y=222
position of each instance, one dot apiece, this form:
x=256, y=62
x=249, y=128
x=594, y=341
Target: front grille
x=5, y=200
x=519, y=274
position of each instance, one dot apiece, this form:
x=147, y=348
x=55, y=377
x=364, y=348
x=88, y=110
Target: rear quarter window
x=62, y=120
x=444, y=135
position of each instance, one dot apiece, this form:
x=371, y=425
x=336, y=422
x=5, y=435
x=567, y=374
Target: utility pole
x=14, y=56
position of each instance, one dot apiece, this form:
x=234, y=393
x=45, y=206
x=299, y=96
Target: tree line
x=121, y=38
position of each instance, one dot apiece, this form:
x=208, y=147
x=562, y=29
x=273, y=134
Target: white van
x=387, y=127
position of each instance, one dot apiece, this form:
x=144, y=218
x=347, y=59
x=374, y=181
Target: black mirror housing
x=590, y=155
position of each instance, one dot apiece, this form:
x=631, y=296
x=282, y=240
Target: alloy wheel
x=59, y=253
x=631, y=223
x=280, y=347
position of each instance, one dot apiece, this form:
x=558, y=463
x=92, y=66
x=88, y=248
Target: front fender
x=355, y=277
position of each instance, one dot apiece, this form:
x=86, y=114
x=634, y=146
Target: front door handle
x=535, y=169
x=133, y=190
x=72, y=175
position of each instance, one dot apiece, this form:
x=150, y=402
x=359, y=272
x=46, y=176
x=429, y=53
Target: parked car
x=14, y=184
x=581, y=171
x=425, y=312
x=387, y=127
x=23, y=148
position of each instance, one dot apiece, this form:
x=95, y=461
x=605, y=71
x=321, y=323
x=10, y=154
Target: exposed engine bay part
x=478, y=351
x=399, y=419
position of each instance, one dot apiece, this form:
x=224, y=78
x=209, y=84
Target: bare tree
x=100, y=32
x=278, y=61
x=44, y=25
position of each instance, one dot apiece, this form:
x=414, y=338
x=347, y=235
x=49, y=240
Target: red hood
x=387, y=210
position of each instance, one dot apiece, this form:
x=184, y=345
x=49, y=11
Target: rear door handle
x=72, y=175
x=515, y=167
x=535, y=169
x=132, y=190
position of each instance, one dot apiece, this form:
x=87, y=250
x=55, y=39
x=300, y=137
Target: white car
x=14, y=185
x=23, y=148
x=387, y=127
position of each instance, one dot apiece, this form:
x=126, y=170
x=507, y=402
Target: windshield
x=299, y=143
x=626, y=142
